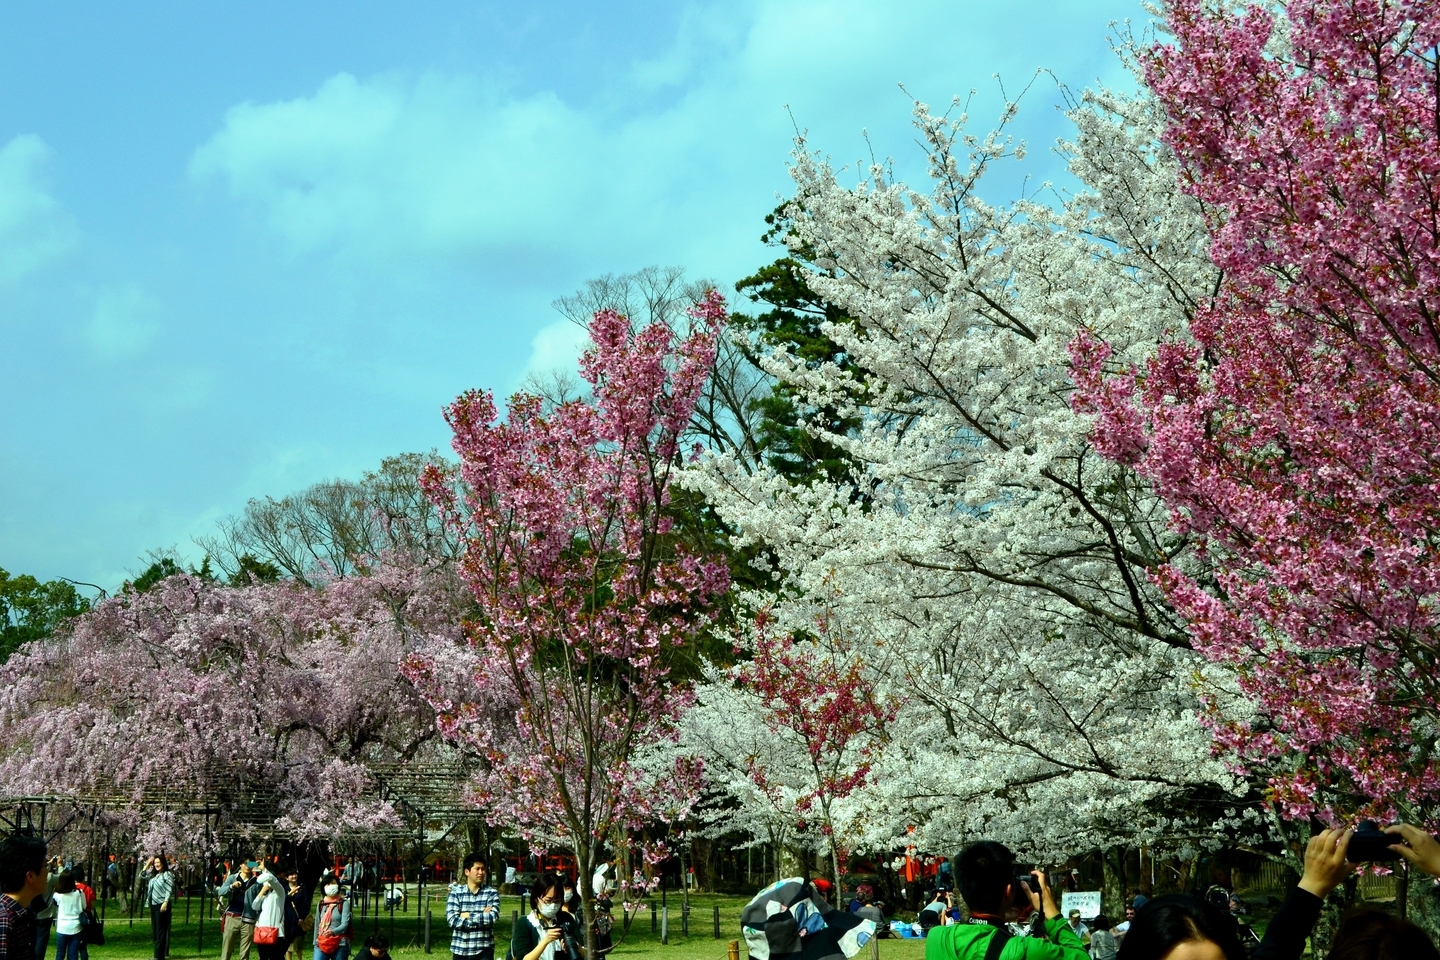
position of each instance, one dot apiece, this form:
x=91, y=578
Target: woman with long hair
x=160, y=893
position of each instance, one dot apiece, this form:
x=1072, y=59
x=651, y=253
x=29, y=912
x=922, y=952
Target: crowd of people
x=999, y=914
x=265, y=909
x=1014, y=918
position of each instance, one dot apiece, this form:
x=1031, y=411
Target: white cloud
x=678, y=162
x=393, y=166
x=557, y=348
x=124, y=322
x=34, y=230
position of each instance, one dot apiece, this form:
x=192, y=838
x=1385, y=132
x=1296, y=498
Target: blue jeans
x=342, y=952
x=67, y=946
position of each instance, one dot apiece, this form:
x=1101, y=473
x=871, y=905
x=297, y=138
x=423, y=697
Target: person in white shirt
x=69, y=911
x=600, y=883
x=1122, y=928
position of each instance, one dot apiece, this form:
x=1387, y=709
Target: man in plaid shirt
x=471, y=910
x=22, y=878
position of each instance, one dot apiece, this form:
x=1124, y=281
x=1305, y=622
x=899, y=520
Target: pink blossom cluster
x=583, y=594
x=1296, y=439
x=816, y=692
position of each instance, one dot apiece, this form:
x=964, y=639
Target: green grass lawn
x=127, y=941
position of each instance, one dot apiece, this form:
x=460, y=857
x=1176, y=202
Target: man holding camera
x=987, y=878
x=237, y=927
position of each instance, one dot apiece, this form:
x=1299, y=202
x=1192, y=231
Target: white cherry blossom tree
x=996, y=565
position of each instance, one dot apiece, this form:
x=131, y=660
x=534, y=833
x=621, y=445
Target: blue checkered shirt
x=476, y=933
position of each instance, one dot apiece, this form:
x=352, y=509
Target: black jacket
x=1285, y=937
x=525, y=938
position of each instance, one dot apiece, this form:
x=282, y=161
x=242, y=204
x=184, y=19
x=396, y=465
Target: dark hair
x=20, y=855
x=379, y=941
x=1100, y=923
x=78, y=872
x=551, y=883
x=65, y=883
x=1166, y=922
x=982, y=872
x=1369, y=934
x=470, y=860
x=165, y=864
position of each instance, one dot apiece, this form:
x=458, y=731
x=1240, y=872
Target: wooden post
x=685, y=920
x=427, y=928
x=717, y=921
x=205, y=885
x=665, y=925
x=875, y=948
x=734, y=950
x=653, y=916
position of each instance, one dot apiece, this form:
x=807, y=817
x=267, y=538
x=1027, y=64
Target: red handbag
x=327, y=942
x=265, y=936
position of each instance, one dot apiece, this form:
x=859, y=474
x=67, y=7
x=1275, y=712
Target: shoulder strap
x=998, y=939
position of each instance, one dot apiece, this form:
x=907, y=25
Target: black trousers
x=160, y=930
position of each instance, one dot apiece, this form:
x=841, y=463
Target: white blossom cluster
x=985, y=563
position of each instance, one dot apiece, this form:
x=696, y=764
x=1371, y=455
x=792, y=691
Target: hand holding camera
x=1422, y=850
x=1326, y=863
x=1032, y=893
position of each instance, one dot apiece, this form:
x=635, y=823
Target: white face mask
x=332, y=889
x=549, y=910
x=568, y=895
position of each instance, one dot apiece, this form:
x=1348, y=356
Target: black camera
x=1370, y=844
x=570, y=946
x=1023, y=886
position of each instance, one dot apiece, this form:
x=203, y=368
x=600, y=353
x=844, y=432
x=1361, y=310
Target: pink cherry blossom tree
x=1296, y=438
x=586, y=600
x=194, y=693
x=816, y=697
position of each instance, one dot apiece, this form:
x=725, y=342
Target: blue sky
x=247, y=247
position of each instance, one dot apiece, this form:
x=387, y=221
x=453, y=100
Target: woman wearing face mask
x=332, y=921
x=570, y=904
x=545, y=931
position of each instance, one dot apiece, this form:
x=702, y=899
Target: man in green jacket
x=985, y=875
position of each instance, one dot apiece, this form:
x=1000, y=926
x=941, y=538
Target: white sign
x=1087, y=902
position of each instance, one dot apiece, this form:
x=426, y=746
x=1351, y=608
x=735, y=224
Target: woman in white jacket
x=268, y=897
x=69, y=908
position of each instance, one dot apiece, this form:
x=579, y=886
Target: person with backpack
x=987, y=877
x=332, y=921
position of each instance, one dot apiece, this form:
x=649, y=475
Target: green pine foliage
x=794, y=318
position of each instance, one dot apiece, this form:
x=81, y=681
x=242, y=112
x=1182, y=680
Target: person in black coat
x=546, y=932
